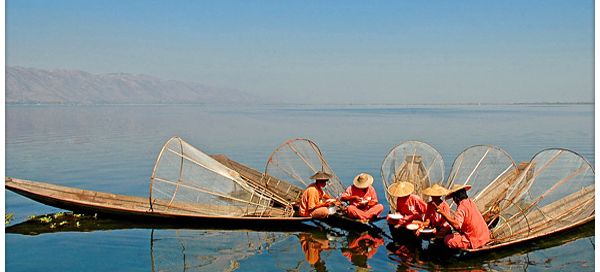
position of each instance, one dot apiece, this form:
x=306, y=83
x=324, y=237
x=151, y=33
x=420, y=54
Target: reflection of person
x=410, y=206
x=362, y=198
x=312, y=247
x=473, y=231
x=314, y=201
x=362, y=248
x=432, y=218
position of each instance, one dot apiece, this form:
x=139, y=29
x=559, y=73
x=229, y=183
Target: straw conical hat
x=455, y=188
x=363, y=180
x=435, y=190
x=321, y=176
x=401, y=188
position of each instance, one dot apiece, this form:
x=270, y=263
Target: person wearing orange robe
x=472, y=230
x=314, y=202
x=362, y=198
x=432, y=218
x=410, y=206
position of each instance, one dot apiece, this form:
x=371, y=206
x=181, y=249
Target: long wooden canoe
x=133, y=207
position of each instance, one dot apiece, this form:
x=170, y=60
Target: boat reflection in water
x=193, y=250
x=182, y=248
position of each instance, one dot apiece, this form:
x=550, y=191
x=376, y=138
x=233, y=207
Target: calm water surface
x=113, y=149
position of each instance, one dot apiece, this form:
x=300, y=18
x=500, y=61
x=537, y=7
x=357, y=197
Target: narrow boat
x=552, y=193
x=190, y=187
x=187, y=185
x=137, y=208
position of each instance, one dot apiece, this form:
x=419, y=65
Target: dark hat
x=320, y=175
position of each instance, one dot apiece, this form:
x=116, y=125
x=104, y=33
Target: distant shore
x=305, y=104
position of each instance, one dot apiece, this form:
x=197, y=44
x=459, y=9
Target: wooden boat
x=188, y=186
x=138, y=208
x=554, y=192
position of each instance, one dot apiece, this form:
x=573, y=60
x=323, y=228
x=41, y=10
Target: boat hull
x=130, y=207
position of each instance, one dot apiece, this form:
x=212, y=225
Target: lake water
x=113, y=149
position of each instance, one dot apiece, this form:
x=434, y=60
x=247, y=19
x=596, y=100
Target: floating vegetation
x=45, y=219
x=60, y=221
x=8, y=217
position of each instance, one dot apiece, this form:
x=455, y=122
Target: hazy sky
x=323, y=51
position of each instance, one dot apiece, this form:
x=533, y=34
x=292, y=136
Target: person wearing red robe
x=471, y=229
x=362, y=198
x=410, y=206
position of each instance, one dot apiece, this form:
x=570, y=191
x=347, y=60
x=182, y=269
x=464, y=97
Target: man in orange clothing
x=362, y=198
x=315, y=203
x=468, y=221
x=410, y=206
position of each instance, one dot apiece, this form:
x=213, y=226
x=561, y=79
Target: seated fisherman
x=467, y=221
x=362, y=198
x=410, y=206
x=314, y=202
x=432, y=218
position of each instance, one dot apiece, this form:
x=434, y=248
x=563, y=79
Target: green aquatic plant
x=8, y=217
x=62, y=223
x=58, y=214
x=45, y=219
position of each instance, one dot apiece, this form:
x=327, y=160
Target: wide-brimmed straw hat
x=401, y=188
x=363, y=180
x=435, y=190
x=457, y=187
x=320, y=175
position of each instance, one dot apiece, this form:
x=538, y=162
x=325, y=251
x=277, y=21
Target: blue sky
x=323, y=51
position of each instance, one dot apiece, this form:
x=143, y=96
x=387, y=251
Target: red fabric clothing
x=363, y=212
x=472, y=224
x=311, y=197
x=373, y=211
x=366, y=194
x=412, y=207
x=455, y=240
x=436, y=220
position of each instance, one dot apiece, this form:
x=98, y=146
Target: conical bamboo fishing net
x=489, y=170
x=415, y=162
x=186, y=179
x=295, y=161
x=557, y=194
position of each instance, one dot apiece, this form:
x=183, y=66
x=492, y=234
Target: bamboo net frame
x=488, y=169
x=415, y=162
x=294, y=162
x=184, y=174
x=559, y=194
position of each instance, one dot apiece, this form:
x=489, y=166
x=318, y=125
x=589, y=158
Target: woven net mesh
x=186, y=180
x=414, y=162
x=295, y=161
x=555, y=191
x=486, y=168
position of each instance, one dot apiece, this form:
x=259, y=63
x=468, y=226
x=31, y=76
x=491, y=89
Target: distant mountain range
x=37, y=86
